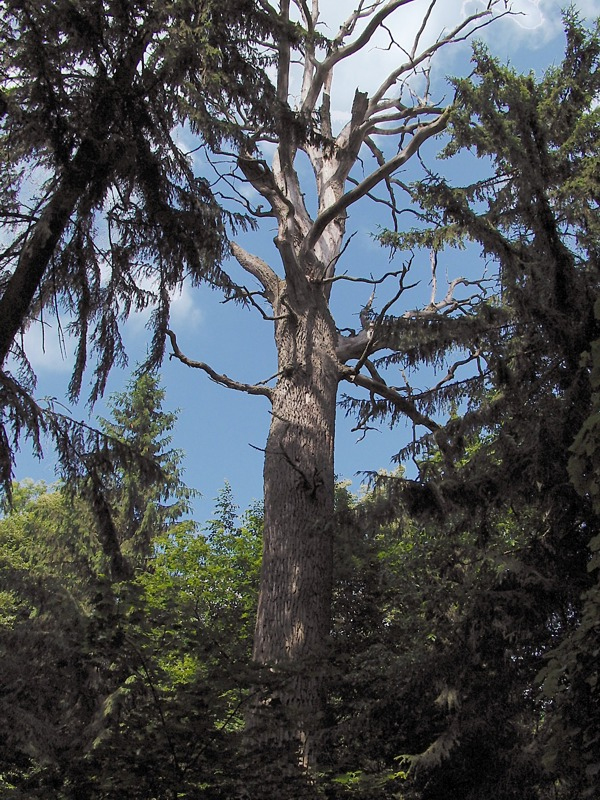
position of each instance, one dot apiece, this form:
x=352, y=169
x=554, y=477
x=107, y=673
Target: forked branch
x=470, y=25
x=381, y=174
x=341, y=51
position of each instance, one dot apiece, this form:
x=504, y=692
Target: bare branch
x=467, y=28
x=364, y=429
x=380, y=158
x=372, y=326
x=362, y=344
x=450, y=303
x=371, y=369
x=245, y=295
x=367, y=341
x=475, y=356
x=380, y=123
x=422, y=29
x=403, y=404
x=353, y=346
x=306, y=15
x=376, y=335
x=259, y=175
x=340, y=51
x=330, y=267
x=309, y=47
x=258, y=268
x=231, y=177
x=223, y=380
x=371, y=281
x=337, y=208
x=374, y=198
x=347, y=27
x=280, y=187
x=283, y=64
x=433, y=263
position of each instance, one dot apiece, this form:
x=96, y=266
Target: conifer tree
x=142, y=503
x=294, y=291
x=519, y=456
x=147, y=68
x=65, y=607
x=101, y=212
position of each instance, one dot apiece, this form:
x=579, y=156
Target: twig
x=246, y=294
x=372, y=281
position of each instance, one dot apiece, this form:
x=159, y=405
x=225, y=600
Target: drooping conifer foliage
x=101, y=211
x=456, y=626
x=126, y=683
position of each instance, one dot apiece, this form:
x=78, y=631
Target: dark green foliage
x=518, y=457
x=144, y=506
x=102, y=213
x=426, y=661
x=463, y=659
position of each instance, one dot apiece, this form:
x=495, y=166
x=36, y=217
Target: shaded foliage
x=102, y=212
x=130, y=687
x=463, y=651
x=520, y=450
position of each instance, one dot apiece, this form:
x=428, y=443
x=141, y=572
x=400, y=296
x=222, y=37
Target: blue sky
x=218, y=429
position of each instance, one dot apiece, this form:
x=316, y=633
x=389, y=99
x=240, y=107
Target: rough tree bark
x=293, y=620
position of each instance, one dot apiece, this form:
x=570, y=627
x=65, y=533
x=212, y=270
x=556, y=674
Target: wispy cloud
x=532, y=25
x=185, y=310
x=186, y=313
x=49, y=346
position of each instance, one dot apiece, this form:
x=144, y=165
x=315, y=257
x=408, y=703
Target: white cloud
x=534, y=23
x=185, y=312
x=49, y=347
x=267, y=149
x=531, y=16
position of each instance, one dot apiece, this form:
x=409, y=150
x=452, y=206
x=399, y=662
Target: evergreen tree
x=520, y=455
x=143, y=69
x=141, y=506
x=116, y=687
x=316, y=353
x=101, y=211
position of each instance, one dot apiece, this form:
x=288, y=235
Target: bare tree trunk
x=293, y=619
